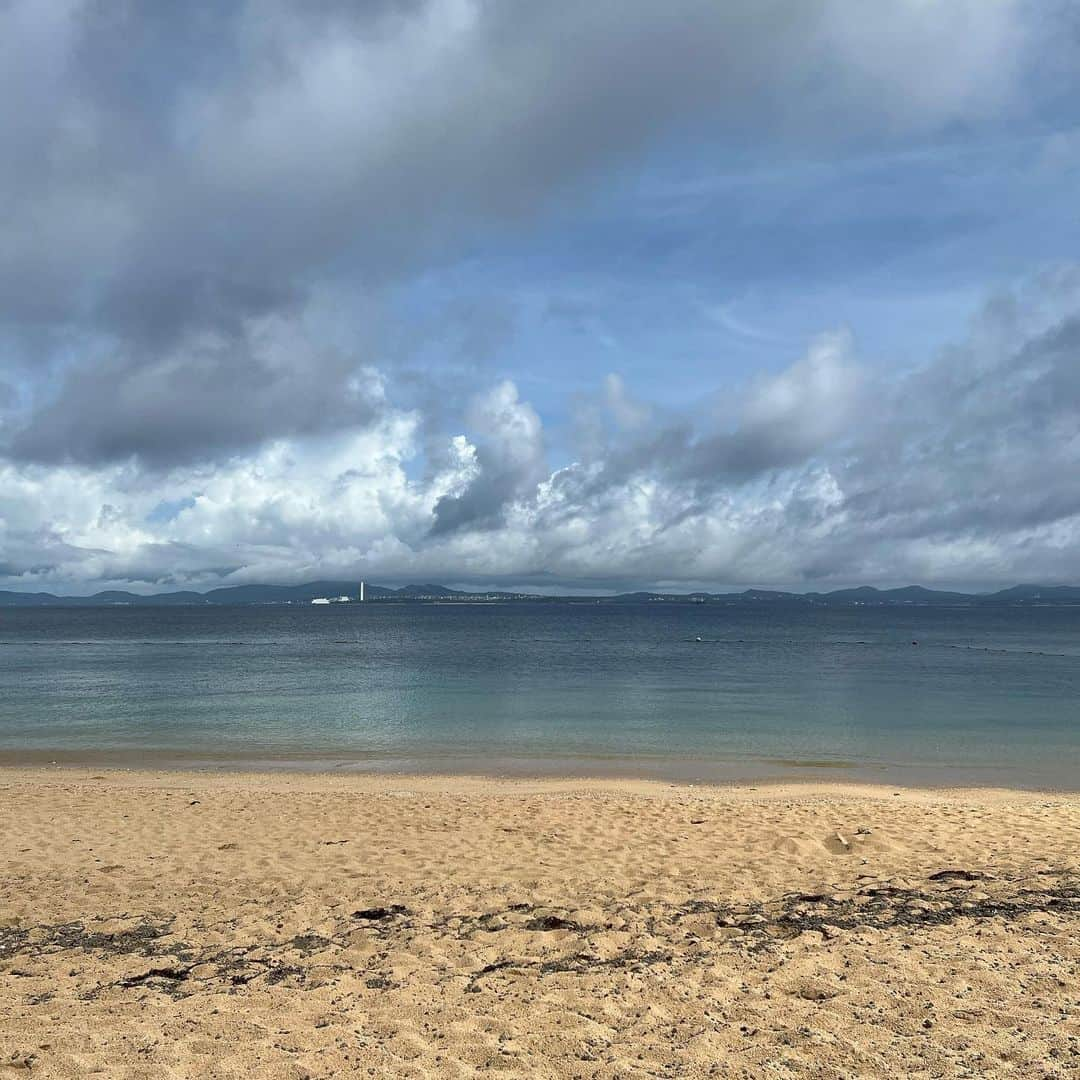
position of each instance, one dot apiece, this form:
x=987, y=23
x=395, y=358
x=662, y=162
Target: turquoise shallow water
x=987, y=696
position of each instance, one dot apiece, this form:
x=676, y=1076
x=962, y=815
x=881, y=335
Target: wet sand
x=307, y=925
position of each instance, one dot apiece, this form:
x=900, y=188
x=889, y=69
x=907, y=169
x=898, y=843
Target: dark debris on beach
x=178, y=967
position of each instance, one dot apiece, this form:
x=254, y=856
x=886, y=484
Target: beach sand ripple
x=288, y=926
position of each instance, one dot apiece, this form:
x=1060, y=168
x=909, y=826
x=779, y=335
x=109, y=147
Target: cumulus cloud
x=509, y=463
x=960, y=469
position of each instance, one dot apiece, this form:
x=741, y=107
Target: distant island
x=348, y=591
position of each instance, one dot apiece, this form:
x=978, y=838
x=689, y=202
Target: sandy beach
x=285, y=926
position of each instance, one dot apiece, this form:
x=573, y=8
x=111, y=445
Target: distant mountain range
x=865, y=595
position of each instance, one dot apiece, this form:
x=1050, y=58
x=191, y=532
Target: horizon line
x=525, y=592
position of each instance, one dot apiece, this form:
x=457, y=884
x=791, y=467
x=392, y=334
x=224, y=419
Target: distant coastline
x=862, y=596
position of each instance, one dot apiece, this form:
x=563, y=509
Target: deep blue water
x=986, y=696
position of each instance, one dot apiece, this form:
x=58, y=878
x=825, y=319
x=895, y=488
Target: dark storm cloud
x=183, y=169
x=198, y=400
x=977, y=442
x=482, y=503
x=509, y=464
x=160, y=312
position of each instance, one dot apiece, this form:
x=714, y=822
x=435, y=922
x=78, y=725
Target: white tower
x=361, y=592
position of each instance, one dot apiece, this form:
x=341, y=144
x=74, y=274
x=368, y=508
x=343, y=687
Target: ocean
x=679, y=691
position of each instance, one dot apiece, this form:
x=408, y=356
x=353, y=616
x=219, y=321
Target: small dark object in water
x=914, y=643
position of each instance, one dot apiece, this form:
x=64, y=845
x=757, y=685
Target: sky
x=635, y=293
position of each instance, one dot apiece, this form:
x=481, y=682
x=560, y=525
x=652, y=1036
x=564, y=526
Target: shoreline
x=617, y=774
x=360, y=783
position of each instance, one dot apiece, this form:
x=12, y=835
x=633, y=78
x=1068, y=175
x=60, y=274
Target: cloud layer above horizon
x=608, y=295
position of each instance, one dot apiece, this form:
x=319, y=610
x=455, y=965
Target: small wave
x=1007, y=652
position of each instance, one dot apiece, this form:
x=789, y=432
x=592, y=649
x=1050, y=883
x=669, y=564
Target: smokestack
x=361, y=592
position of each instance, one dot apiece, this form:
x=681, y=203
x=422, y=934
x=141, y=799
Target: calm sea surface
x=987, y=696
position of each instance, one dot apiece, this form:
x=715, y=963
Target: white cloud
x=960, y=470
